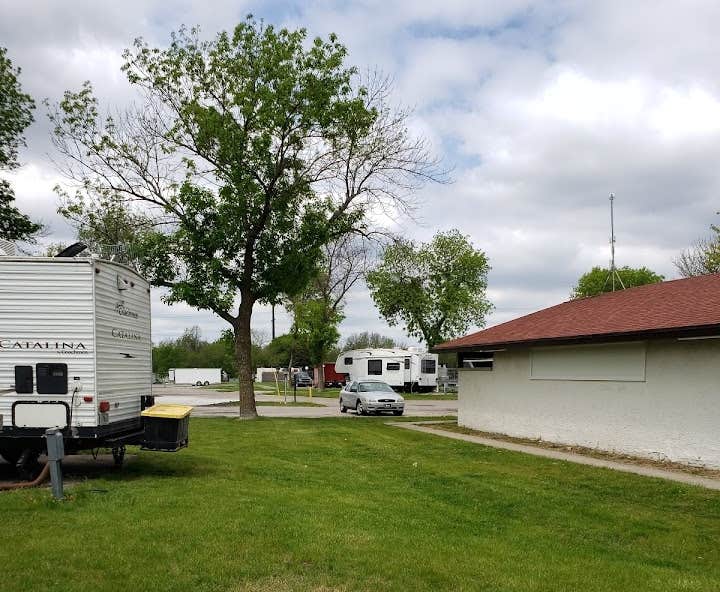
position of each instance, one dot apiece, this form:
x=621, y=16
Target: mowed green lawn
x=353, y=504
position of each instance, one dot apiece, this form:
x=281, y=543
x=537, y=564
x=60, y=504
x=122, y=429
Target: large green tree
x=437, y=290
x=249, y=153
x=599, y=281
x=15, y=115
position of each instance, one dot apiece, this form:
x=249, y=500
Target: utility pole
x=613, y=270
x=273, y=321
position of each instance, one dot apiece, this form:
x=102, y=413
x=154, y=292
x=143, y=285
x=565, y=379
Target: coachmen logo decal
x=123, y=311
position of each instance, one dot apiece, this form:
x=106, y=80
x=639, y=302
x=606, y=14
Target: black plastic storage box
x=166, y=427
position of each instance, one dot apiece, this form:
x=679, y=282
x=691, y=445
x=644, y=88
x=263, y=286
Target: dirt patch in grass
x=452, y=426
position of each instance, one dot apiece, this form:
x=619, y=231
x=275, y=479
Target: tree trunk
x=243, y=352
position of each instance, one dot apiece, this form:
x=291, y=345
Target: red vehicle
x=333, y=378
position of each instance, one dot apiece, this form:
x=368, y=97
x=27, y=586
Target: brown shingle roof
x=691, y=304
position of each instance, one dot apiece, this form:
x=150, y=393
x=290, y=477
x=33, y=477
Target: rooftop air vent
x=72, y=251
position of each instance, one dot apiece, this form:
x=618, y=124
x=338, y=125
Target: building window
x=348, y=361
x=393, y=366
x=374, y=367
x=407, y=363
x=427, y=366
x=477, y=360
x=615, y=362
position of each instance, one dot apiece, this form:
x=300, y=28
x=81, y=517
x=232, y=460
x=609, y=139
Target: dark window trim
x=424, y=364
x=378, y=368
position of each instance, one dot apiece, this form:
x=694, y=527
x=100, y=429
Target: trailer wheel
x=27, y=464
x=198, y=383
x=206, y=383
x=118, y=455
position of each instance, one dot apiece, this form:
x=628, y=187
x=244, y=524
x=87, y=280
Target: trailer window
x=392, y=366
x=374, y=367
x=24, y=379
x=52, y=379
x=407, y=363
x=348, y=361
x=427, y=366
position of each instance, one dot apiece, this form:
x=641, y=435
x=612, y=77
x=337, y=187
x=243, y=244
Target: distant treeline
x=192, y=351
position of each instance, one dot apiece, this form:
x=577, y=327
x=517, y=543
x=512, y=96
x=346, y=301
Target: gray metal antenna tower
x=613, y=275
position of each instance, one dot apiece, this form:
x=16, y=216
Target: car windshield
x=375, y=387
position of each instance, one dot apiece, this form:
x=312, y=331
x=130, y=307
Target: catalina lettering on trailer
x=126, y=334
x=59, y=346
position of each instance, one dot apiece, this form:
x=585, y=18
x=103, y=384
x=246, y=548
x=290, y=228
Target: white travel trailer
x=405, y=369
x=196, y=376
x=75, y=353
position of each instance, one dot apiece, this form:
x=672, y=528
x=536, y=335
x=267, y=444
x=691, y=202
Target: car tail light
x=88, y=398
x=104, y=406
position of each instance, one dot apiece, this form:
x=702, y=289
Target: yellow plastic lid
x=168, y=411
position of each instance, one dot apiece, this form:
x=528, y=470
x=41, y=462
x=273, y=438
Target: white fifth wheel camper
x=75, y=353
x=405, y=369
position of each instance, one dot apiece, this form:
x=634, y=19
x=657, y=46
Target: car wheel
x=343, y=409
x=397, y=413
x=360, y=410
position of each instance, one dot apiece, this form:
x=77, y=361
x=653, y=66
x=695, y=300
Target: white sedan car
x=370, y=396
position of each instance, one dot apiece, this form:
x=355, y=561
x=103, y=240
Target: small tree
x=598, y=280
x=15, y=115
x=702, y=258
x=318, y=310
x=243, y=155
x=370, y=340
x=106, y=221
x=437, y=290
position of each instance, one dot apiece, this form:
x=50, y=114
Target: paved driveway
x=202, y=400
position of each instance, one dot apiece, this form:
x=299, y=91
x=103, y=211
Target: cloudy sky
x=541, y=108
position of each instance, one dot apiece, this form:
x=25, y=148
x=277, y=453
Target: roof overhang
x=668, y=333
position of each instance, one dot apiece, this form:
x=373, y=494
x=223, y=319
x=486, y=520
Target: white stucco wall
x=673, y=414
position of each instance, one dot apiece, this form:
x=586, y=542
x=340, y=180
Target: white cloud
x=543, y=108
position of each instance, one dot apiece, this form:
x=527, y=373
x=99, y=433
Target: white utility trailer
x=196, y=376
x=405, y=369
x=75, y=353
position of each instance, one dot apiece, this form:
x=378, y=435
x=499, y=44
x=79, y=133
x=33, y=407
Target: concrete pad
x=202, y=401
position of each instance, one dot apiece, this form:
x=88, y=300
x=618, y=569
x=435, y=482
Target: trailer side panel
x=124, y=346
x=46, y=317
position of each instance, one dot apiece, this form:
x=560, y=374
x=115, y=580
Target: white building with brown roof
x=635, y=371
